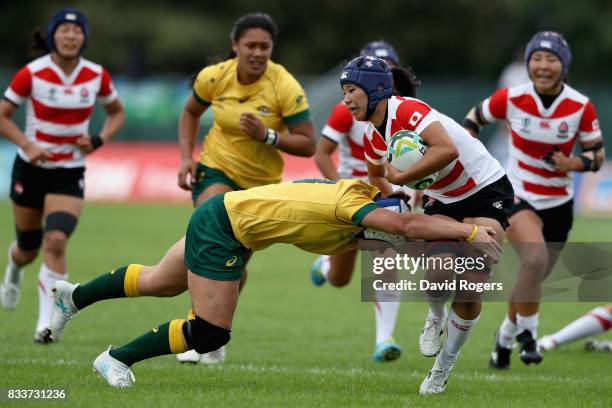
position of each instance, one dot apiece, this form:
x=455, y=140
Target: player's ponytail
x=405, y=82
x=39, y=46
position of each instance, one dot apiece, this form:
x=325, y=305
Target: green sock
x=152, y=344
x=107, y=286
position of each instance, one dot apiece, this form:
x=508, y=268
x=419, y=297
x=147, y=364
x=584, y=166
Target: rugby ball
x=404, y=150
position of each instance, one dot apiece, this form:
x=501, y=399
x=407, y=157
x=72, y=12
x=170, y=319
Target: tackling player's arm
x=323, y=157
x=421, y=226
x=441, y=151
x=189, y=125
x=9, y=129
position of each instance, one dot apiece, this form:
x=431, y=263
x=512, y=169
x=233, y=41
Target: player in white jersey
x=471, y=187
x=60, y=90
x=546, y=118
x=343, y=131
x=597, y=321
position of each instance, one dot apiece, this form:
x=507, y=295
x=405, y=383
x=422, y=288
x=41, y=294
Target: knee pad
x=30, y=240
x=204, y=337
x=61, y=221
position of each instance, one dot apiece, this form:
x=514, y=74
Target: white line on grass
x=333, y=371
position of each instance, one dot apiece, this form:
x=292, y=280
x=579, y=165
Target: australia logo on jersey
x=263, y=110
x=84, y=95
x=563, y=130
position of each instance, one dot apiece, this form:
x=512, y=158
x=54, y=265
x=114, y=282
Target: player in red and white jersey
x=344, y=131
x=59, y=90
x=546, y=118
x=471, y=187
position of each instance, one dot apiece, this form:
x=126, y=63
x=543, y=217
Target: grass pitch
x=292, y=344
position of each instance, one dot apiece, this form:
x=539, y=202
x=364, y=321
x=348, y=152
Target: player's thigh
x=525, y=234
x=213, y=300
x=168, y=277
x=211, y=191
x=525, y=226
x=62, y=203
x=26, y=218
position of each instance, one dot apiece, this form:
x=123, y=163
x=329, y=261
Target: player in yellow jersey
x=319, y=216
x=259, y=110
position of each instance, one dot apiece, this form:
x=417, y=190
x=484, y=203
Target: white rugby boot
x=436, y=380
x=430, y=341
x=113, y=371
x=9, y=288
x=63, y=307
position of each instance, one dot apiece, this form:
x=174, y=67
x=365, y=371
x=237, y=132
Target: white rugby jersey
x=347, y=132
x=474, y=169
x=536, y=131
x=58, y=106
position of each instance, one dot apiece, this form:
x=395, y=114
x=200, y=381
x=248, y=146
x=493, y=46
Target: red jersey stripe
x=57, y=139
x=367, y=147
x=566, y=108
x=359, y=173
x=449, y=178
x=48, y=75
x=61, y=156
x=378, y=142
x=61, y=116
x=498, y=103
x=538, y=149
x=544, y=190
x=541, y=172
x=85, y=75
x=356, y=149
x=526, y=103
x=470, y=184
x=22, y=82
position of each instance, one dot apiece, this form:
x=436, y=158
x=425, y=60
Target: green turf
x=292, y=344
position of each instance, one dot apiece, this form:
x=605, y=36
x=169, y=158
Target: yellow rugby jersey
x=317, y=216
x=276, y=98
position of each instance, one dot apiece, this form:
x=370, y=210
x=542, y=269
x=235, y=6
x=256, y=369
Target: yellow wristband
x=473, y=234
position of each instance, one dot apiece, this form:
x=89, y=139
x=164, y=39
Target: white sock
x=14, y=272
x=437, y=310
x=458, y=331
x=595, y=322
x=507, y=333
x=325, y=265
x=528, y=323
x=46, y=279
x=386, y=308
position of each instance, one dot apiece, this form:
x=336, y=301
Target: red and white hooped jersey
x=474, y=169
x=58, y=106
x=347, y=132
x=536, y=131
